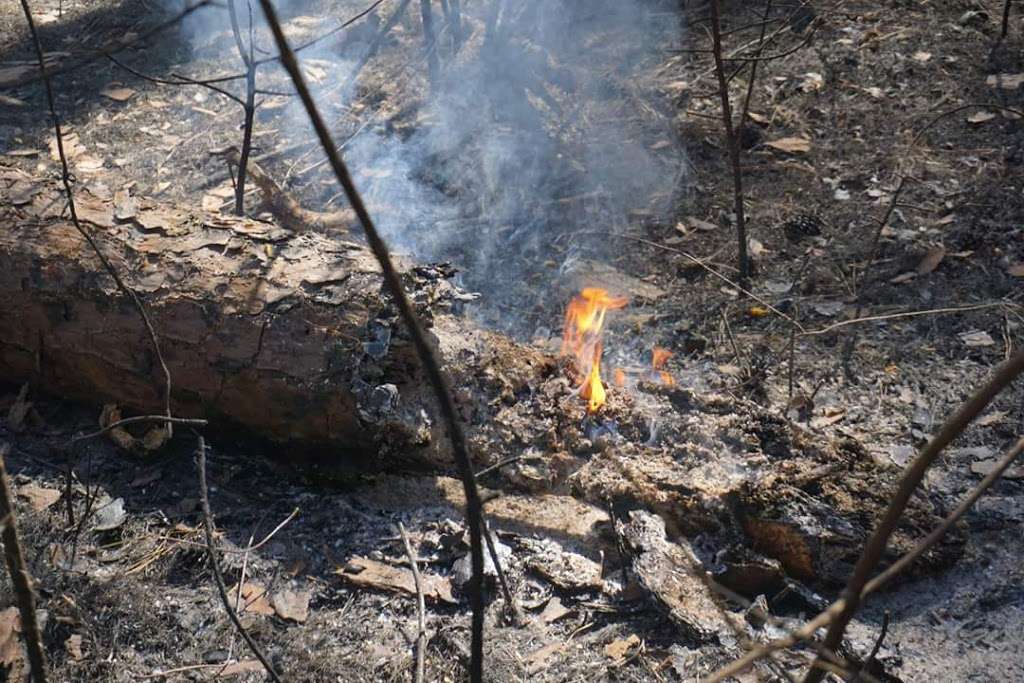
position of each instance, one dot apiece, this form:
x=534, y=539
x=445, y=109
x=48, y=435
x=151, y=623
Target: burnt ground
x=864, y=100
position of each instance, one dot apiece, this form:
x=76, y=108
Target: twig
x=732, y=144
x=66, y=178
x=204, y=499
x=826, y=617
x=753, y=67
x=421, y=608
x=374, y=46
x=1006, y=20
x=20, y=578
x=906, y=314
x=427, y=17
x=860, y=675
x=955, y=110
x=876, y=545
x=438, y=382
x=249, y=106
x=196, y=422
x=141, y=39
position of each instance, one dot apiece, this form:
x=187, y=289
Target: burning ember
x=582, y=338
x=661, y=356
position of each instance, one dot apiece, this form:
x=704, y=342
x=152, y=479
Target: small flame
x=581, y=338
x=660, y=356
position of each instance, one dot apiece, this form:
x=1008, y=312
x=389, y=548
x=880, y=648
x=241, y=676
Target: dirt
x=791, y=435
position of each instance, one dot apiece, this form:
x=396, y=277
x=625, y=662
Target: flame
x=659, y=357
x=581, y=338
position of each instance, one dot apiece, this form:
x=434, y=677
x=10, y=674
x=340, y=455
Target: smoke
x=541, y=139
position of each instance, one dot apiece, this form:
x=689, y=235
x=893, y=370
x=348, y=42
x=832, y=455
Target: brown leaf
x=11, y=656
x=793, y=145
x=117, y=92
x=254, y=599
x=242, y=666
x=367, y=573
x=38, y=497
x=536, y=660
x=618, y=649
x=977, y=338
x=291, y=605
x=554, y=611
x=931, y=260
x=991, y=419
x=903, y=277
x=1016, y=270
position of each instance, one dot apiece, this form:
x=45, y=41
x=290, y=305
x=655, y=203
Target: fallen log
x=289, y=336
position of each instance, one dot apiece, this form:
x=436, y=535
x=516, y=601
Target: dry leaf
x=368, y=573
x=980, y=117
x=931, y=260
x=211, y=203
x=812, y=81
x=12, y=661
x=758, y=118
x=793, y=145
x=254, y=599
x=698, y=224
x=983, y=467
x=242, y=666
x=537, y=659
x=660, y=144
x=977, y=338
x=1016, y=270
x=1005, y=81
x=38, y=497
x=922, y=56
x=73, y=646
x=292, y=605
x=991, y=419
x=618, y=649
x=903, y=277
x=118, y=92
x=18, y=411
x=553, y=611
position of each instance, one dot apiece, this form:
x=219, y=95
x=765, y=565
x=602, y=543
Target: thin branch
x=433, y=65
x=204, y=499
x=178, y=80
x=1006, y=20
x=375, y=45
x=732, y=144
x=20, y=578
x=195, y=422
x=249, y=106
x=142, y=39
x=808, y=630
x=876, y=545
x=862, y=674
x=906, y=314
x=753, y=68
x=66, y=178
x=438, y=382
x=421, y=608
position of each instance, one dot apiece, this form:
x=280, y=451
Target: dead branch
x=438, y=382
x=732, y=143
x=1006, y=20
x=142, y=39
x=826, y=617
x=375, y=45
x=211, y=552
x=288, y=212
x=249, y=106
x=875, y=547
x=421, y=608
x=20, y=578
x=862, y=674
x=753, y=68
x=66, y=179
x=434, y=66
x=196, y=422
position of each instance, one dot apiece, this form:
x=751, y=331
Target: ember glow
x=660, y=357
x=582, y=339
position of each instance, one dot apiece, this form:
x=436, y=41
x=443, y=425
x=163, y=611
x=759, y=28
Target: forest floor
x=858, y=96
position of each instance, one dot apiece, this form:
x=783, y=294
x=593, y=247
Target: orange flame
x=581, y=338
x=660, y=357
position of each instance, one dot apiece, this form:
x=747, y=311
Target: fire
x=660, y=357
x=581, y=338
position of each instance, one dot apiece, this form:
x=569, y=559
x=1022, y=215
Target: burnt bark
x=290, y=336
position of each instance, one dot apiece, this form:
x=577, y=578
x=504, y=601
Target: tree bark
x=287, y=335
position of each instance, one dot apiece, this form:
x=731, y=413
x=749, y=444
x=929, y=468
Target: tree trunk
x=287, y=335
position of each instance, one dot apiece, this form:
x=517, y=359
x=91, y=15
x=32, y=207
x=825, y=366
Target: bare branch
x=437, y=380
x=66, y=178
x=204, y=499
x=421, y=608
x=20, y=578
